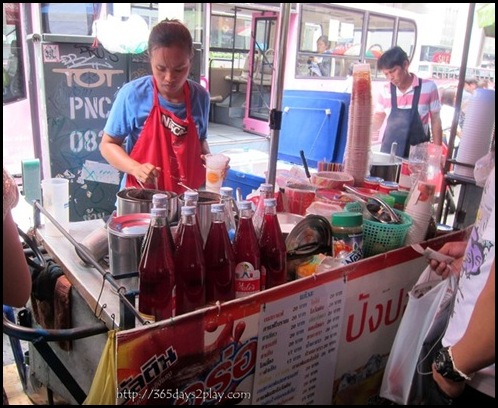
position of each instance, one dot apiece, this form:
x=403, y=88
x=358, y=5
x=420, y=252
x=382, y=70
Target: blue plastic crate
x=247, y=182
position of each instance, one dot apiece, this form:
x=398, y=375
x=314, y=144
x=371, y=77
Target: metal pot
x=126, y=234
x=385, y=166
x=206, y=198
x=136, y=200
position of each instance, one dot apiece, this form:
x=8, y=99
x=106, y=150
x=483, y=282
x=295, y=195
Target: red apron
x=172, y=144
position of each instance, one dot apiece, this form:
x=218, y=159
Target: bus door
x=262, y=52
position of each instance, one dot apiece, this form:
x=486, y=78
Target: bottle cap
x=270, y=202
x=347, y=219
x=188, y=210
x=244, y=205
x=266, y=187
x=158, y=212
x=190, y=195
x=226, y=191
x=159, y=200
x=217, y=208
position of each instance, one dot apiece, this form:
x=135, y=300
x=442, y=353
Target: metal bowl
x=137, y=200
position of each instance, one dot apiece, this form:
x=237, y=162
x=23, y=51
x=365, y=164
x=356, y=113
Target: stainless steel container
x=126, y=234
x=385, y=166
x=206, y=198
x=137, y=200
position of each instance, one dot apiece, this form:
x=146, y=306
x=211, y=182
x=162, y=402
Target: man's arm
x=436, y=128
x=476, y=349
x=377, y=121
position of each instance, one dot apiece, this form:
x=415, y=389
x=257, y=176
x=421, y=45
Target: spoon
x=376, y=211
x=186, y=187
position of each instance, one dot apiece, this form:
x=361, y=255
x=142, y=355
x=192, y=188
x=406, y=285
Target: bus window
x=341, y=27
x=69, y=18
x=407, y=34
x=13, y=71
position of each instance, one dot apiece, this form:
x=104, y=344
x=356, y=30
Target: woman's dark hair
x=393, y=57
x=170, y=33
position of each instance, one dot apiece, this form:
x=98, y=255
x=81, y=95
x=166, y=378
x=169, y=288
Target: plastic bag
x=127, y=37
x=104, y=385
x=483, y=167
x=408, y=376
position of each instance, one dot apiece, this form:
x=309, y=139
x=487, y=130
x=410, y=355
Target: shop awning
x=486, y=19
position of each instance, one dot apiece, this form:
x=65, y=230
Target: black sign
x=80, y=84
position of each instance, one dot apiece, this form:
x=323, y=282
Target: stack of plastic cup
x=419, y=206
x=56, y=202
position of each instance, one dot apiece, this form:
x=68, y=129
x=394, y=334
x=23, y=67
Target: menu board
x=297, y=347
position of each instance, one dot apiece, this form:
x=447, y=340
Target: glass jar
x=347, y=236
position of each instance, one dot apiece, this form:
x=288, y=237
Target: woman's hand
x=146, y=173
x=455, y=250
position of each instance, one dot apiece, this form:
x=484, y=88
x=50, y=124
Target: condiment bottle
x=190, y=266
x=347, y=236
x=220, y=261
x=246, y=252
x=272, y=247
x=157, y=271
x=265, y=191
x=400, y=197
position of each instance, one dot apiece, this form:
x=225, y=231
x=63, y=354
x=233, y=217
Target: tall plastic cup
x=216, y=165
x=56, y=202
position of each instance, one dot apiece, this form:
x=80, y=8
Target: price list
x=297, y=347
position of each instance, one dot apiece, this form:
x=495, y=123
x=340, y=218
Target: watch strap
x=462, y=374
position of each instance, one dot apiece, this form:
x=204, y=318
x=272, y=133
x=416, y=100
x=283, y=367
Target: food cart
x=320, y=339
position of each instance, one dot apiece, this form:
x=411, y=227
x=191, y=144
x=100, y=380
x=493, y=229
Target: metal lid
x=130, y=225
x=310, y=236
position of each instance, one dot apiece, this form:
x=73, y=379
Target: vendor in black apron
x=409, y=103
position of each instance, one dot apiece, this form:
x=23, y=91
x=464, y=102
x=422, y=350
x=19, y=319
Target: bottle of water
x=227, y=199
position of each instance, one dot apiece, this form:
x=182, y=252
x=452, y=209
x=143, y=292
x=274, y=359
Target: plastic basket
x=378, y=237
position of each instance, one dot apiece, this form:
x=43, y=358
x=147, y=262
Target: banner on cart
x=324, y=339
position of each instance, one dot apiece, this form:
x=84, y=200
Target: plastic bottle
x=226, y=194
x=157, y=271
x=265, y=191
x=247, y=255
x=272, y=247
x=220, y=261
x=190, y=266
x=347, y=236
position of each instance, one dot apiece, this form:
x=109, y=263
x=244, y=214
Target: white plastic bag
x=127, y=37
x=423, y=324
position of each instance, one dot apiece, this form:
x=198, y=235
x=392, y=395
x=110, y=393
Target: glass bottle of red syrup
x=190, y=267
x=266, y=190
x=220, y=261
x=246, y=251
x=190, y=199
x=272, y=247
x=157, y=271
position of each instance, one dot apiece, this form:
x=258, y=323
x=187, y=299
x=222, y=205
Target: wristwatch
x=445, y=366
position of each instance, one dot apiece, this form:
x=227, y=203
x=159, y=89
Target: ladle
x=186, y=187
x=386, y=217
